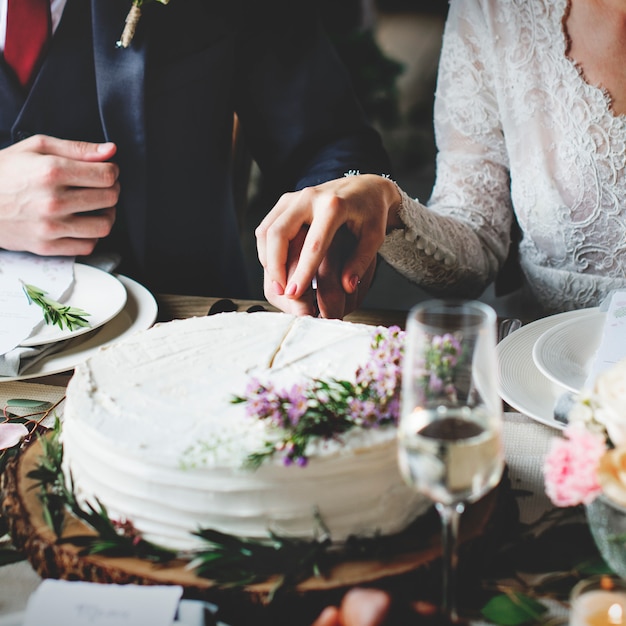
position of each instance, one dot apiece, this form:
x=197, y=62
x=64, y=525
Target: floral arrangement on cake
x=590, y=459
x=328, y=408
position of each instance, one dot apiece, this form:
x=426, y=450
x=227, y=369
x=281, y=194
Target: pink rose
x=570, y=467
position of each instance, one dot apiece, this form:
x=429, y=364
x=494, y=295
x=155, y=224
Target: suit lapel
x=120, y=84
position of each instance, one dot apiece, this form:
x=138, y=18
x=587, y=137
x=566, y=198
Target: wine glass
x=449, y=440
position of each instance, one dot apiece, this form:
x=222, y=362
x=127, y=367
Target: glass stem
x=450, y=516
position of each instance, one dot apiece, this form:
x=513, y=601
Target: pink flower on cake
x=11, y=434
x=571, y=465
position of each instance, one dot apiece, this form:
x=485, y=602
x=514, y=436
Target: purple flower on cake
x=326, y=408
x=296, y=403
x=364, y=412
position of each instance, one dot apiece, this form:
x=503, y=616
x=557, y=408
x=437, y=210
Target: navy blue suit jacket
x=168, y=100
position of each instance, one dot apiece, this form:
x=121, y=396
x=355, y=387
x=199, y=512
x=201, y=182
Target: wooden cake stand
x=409, y=566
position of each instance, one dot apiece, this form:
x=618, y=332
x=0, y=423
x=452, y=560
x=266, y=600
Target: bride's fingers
x=283, y=204
x=275, y=237
x=361, y=259
x=306, y=304
x=319, y=237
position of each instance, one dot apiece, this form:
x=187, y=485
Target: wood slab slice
x=414, y=557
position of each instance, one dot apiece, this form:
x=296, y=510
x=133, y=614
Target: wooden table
x=178, y=307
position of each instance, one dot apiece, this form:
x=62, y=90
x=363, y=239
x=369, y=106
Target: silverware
x=507, y=326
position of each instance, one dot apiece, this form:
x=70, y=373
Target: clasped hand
x=57, y=197
x=331, y=232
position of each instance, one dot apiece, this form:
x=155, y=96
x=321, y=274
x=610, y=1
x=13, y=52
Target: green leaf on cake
x=236, y=561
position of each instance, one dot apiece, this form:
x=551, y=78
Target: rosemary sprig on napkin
x=54, y=312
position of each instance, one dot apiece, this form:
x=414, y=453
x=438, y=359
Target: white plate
x=97, y=292
x=564, y=353
x=520, y=383
x=139, y=313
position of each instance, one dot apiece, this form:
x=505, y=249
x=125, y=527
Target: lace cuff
x=411, y=232
x=418, y=232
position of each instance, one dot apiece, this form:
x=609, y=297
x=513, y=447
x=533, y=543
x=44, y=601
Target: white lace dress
x=518, y=129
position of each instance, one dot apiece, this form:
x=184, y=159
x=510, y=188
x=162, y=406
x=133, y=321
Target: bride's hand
x=329, y=300
x=361, y=203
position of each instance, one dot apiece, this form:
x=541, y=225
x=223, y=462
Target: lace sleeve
x=457, y=243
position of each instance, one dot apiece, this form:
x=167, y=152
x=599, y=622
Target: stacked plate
x=549, y=357
x=117, y=305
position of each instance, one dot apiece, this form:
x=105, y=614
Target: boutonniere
x=132, y=19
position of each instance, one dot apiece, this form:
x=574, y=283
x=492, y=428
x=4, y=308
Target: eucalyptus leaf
x=513, y=609
x=25, y=403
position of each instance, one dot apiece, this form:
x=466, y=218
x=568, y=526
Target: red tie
x=28, y=29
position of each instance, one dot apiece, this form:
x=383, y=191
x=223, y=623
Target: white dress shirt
x=56, y=8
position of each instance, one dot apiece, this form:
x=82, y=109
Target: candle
x=598, y=601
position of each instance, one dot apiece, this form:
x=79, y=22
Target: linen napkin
x=17, y=361
x=610, y=350
x=612, y=346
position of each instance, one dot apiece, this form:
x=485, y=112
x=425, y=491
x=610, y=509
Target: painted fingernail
x=354, y=282
x=291, y=289
x=278, y=288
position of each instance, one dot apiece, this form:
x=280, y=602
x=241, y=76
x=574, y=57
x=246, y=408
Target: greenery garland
x=228, y=560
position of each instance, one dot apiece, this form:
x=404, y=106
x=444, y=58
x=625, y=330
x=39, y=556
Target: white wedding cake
x=150, y=431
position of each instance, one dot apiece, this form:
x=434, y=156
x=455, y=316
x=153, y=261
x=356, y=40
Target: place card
x=612, y=346
x=78, y=603
x=18, y=318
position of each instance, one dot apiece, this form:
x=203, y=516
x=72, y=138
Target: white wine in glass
x=449, y=441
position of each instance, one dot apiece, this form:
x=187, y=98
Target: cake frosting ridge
x=151, y=431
